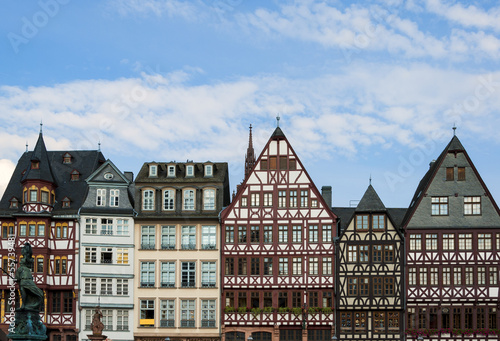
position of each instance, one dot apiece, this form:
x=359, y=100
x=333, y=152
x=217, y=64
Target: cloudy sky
x=363, y=88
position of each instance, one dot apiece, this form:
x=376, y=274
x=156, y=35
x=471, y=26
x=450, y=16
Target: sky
x=364, y=89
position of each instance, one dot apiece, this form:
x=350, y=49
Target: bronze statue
x=97, y=326
x=32, y=296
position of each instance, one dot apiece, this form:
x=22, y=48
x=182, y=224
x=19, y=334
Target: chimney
x=326, y=193
x=129, y=176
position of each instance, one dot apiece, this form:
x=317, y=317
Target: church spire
x=250, y=155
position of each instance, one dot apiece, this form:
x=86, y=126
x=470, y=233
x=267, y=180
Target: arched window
x=169, y=199
x=209, y=199
x=148, y=200
x=39, y=264
x=189, y=198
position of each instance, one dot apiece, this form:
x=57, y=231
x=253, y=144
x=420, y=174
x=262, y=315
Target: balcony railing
x=147, y=246
x=167, y=323
x=208, y=246
x=168, y=246
x=274, y=317
x=167, y=284
x=189, y=284
x=187, y=323
x=208, y=323
x=122, y=328
x=107, y=232
x=147, y=284
x=208, y=285
x=189, y=246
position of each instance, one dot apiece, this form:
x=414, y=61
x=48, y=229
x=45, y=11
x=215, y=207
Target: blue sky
x=363, y=88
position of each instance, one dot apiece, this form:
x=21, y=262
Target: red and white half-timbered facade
x=278, y=253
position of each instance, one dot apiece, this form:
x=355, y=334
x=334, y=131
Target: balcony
x=167, y=323
x=189, y=246
x=187, y=323
x=147, y=246
x=189, y=284
x=208, y=246
x=168, y=246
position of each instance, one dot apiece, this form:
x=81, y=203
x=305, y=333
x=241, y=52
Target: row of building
x=172, y=254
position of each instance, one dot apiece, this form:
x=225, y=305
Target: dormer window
x=13, y=203
x=35, y=164
x=189, y=170
x=67, y=158
x=75, y=175
x=66, y=203
x=209, y=170
x=171, y=171
x=153, y=170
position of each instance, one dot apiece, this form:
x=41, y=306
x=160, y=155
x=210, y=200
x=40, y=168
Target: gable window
x=75, y=175
x=14, y=203
x=168, y=199
x=378, y=222
x=148, y=200
x=35, y=164
x=461, y=173
x=304, y=201
x=189, y=170
x=67, y=158
x=268, y=199
x=293, y=199
x=472, y=205
x=66, y=202
x=255, y=199
x=209, y=199
x=450, y=173
x=439, y=205
x=153, y=170
x=100, y=197
x=171, y=171
x=188, y=200
x=114, y=196
x=273, y=162
x=209, y=170
x=362, y=222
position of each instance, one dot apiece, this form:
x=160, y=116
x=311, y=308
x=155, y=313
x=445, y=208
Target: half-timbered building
x=278, y=253
x=452, y=231
x=370, y=276
x=40, y=206
x=107, y=252
x=177, y=250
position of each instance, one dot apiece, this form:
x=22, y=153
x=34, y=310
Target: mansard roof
x=85, y=161
x=220, y=173
x=370, y=202
x=44, y=170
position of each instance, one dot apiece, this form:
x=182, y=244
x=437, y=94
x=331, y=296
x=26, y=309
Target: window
x=189, y=170
x=268, y=199
x=352, y=286
x=242, y=234
x=415, y=242
x=282, y=234
x=244, y=201
x=379, y=321
x=327, y=233
x=114, y=197
x=492, y=318
x=304, y=201
x=22, y=229
x=39, y=264
x=187, y=313
x=168, y=237
x=362, y=222
x=242, y=266
x=283, y=266
x=346, y=321
x=45, y=196
x=423, y=276
x=359, y=322
x=168, y=200
x=263, y=164
x=364, y=286
x=188, y=237
x=281, y=199
x=147, y=313
x=33, y=195
x=389, y=286
x=434, y=276
x=313, y=266
x=465, y=241
x=481, y=275
x=255, y=199
x=208, y=311
x=449, y=241
x=268, y=234
x=122, y=320
x=363, y=253
x=296, y=299
x=121, y=256
x=468, y=318
x=411, y=318
x=171, y=171
x=229, y=234
x=457, y=276
x=313, y=233
x=91, y=226
x=229, y=267
x=153, y=170
x=209, y=199
x=484, y=241
x=106, y=286
x=148, y=200
x=90, y=286
x=480, y=318
x=461, y=173
x=167, y=274
x=106, y=255
x=254, y=234
x=90, y=255
x=101, y=197
x=32, y=230
x=296, y=266
x=208, y=274
x=282, y=299
x=209, y=170
x=296, y=234
x=352, y=253
x=61, y=231
x=293, y=199
x=439, y=205
x=377, y=253
x=188, y=200
x=188, y=275
x=122, y=287
x=378, y=223
x=66, y=202
x=431, y=242
x=469, y=275
x=450, y=173
x=167, y=313
x=377, y=286
x=282, y=162
x=445, y=318
x=393, y=321
x=106, y=226
x=493, y=271
x=255, y=266
x=446, y=276
x=268, y=266
x=208, y=237
x=472, y=205
x=148, y=237
x=147, y=274
x=327, y=266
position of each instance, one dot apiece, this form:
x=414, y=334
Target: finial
x=454, y=129
x=370, y=179
x=278, y=120
x=26, y=146
x=41, y=125
x=99, y=146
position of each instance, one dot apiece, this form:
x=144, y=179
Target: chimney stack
x=326, y=193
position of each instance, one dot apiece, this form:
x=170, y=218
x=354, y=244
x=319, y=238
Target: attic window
x=209, y=170
x=13, y=203
x=35, y=164
x=153, y=170
x=67, y=158
x=66, y=203
x=189, y=170
x=171, y=171
x=75, y=175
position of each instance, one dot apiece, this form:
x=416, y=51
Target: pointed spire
x=40, y=168
x=454, y=130
x=41, y=126
x=370, y=201
x=370, y=179
x=26, y=146
x=99, y=146
x=250, y=156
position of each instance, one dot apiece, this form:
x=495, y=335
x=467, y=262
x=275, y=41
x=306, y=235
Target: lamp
x=250, y=338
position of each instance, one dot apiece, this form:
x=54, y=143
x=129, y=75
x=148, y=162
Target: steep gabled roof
x=40, y=155
x=370, y=202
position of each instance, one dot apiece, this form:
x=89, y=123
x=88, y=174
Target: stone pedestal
x=97, y=337
x=28, y=326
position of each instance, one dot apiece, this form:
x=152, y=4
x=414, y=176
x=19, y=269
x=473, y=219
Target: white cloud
x=6, y=169
x=171, y=8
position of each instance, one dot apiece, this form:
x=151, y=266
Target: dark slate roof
x=453, y=146
x=220, y=173
x=346, y=214
x=370, y=202
x=278, y=133
x=44, y=172
x=84, y=161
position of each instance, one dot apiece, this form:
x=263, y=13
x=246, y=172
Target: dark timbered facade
x=278, y=253
x=452, y=231
x=40, y=206
x=370, y=277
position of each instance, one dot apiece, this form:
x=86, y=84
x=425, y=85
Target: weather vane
x=278, y=120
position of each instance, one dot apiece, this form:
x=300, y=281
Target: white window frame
x=209, y=170
x=148, y=200
x=189, y=171
x=189, y=199
x=114, y=197
x=169, y=199
x=171, y=171
x=209, y=199
x=153, y=170
x=100, y=197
